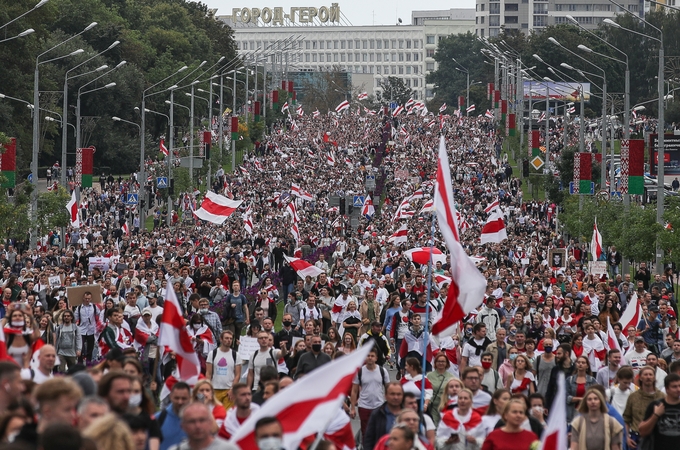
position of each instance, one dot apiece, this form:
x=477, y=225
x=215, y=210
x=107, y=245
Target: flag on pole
x=164, y=149
x=493, y=205
x=400, y=236
x=410, y=103
x=295, y=232
x=398, y=110
x=443, y=108
x=308, y=406
x=72, y=207
x=292, y=210
x=470, y=108
x=596, y=243
x=174, y=337
x=427, y=207
x=126, y=229
x=633, y=313
x=342, y=106
x=284, y=107
x=467, y=284
x=612, y=341
x=247, y=220
x=316, y=114
x=363, y=96
x=555, y=433
x=494, y=229
x=488, y=114
x=216, y=208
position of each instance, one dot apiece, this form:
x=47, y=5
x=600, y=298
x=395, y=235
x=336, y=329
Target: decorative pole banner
x=632, y=166
x=84, y=166
x=8, y=164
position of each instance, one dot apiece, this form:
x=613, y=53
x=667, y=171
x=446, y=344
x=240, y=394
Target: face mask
x=135, y=400
x=513, y=332
x=270, y=443
x=200, y=396
x=203, y=310
x=468, y=332
x=548, y=349
x=18, y=323
x=486, y=365
x=197, y=326
x=513, y=356
x=287, y=323
x=316, y=348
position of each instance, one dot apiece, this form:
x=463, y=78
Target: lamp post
x=660, y=127
x=141, y=132
x=36, y=125
x=603, y=128
x=38, y=5
x=81, y=93
x=22, y=34
x=467, y=84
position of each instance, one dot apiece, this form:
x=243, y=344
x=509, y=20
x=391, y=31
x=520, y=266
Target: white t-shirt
x=469, y=351
x=637, y=360
x=263, y=359
x=223, y=368
x=372, y=393
x=155, y=312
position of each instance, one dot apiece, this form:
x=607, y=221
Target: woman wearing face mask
x=201, y=336
x=141, y=404
x=203, y=393
x=512, y=331
x=21, y=331
x=449, y=398
x=507, y=367
x=544, y=365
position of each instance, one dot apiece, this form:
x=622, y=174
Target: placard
x=525, y=261
x=598, y=268
x=75, y=294
x=557, y=258
x=101, y=263
x=55, y=281
x=246, y=347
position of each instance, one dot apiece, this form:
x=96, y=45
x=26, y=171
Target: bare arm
x=208, y=370
x=354, y=397
x=237, y=373
x=250, y=378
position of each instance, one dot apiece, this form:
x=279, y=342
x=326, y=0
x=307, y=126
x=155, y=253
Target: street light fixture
x=38, y=5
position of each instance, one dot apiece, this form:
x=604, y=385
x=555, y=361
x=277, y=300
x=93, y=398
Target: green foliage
x=157, y=37
x=52, y=213
x=394, y=89
x=669, y=238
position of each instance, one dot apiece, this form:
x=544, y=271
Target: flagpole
x=427, y=318
x=319, y=435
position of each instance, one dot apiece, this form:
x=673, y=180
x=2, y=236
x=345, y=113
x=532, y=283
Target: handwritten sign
x=55, y=281
x=598, y=268
x=247, y=346
x=102, y=264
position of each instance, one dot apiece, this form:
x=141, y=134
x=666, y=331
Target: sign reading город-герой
x=276, y=16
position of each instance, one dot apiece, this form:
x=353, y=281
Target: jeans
x=88, y=347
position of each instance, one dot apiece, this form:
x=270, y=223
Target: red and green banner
x=504, y=111
x=257, y=106
x=8, y=164
x=84, y=166
x=294, y=96
x=234, y=128
x=206, y=141
x=511, y=124
x=535, y=143
x=489, y=91
x=461, y=101
x=583, y=167
x=496, y=99
x=632, y=166
x=275, y=100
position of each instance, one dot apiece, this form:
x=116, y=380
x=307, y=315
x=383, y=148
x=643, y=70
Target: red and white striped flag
x=72, y=207
x=493, y=205
x=428, y=206
x=3, y=347
x=174, y=337
x=488, y=114
x=342, y=106
x=333, y=209
x=164, y=149
x=349, y=163
x=295, y=232
x=398, y=110
x=125, y=229
x=316, y=114
x=443, y=108
x=284, y=107
x=248, y=220
x=295, y=189
x=310, y=153
x=596, y=243
x=292, y=210
x=494, y=229
x=303, y=268
x=542, y=117
x=470, y=108
x=400, y=236
x=330, y=158
x=259, y=166
x=555, y=434
x=410, y=102
x=612, y=341
x=467, y=285
x=369, y=112
x=363, y=96
x=633, y=314
x=368, y=208
x=216, y=208
x=309, y=405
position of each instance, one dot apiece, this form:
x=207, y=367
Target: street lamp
x=467, y=75
x=81, y=93
x=38, y=5
x=660, y=127
x=22, y=34
x=36, y=124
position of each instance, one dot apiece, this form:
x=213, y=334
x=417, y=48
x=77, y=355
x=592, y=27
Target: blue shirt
x=171, y=429
x=238, y=310
x=654, y=335
x=391, y=418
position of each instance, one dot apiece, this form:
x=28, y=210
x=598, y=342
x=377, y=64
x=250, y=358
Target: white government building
x=322, y=40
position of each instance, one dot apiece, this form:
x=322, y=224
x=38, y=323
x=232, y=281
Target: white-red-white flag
x=309, y=405
x=216, y=208
x=362, y=96
x=174, y=337
x=400, y=236
x=303, y=268
x=633, y=313
x=316, y=114
x=295, y=232
x=467, y=285
x=72, y=207
x=330, y=158
x=248, y=220
x=428, y=206
x=368, y=209
x=470, y=109
x=596, y=243
x=292, y=210
x=342, y=106
x=612, y=341
x=494, y=228
x=163, y=148
x=555, y=434
x=398, y=110
x=493, y=205
x=126, y=229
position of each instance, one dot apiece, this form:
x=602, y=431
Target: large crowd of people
x=81, y=313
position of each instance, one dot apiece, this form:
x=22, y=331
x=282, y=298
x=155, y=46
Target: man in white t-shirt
x=265, y=356
x=153, y=306
x=223, y=368
x=637, y=358
x=618, y=394
x=368, y=389
x=473, y=349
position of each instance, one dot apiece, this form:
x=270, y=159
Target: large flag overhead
x=400, y=236
x=163, y=148
x=308, y=406
x=494, y=228
x=612, y=341
x=467, y=285
x=216, y=208
x=555, y=434
x=174, y=336
x=596, y=243
x=72, y=207
x=303, y=268
x=633, y=313
x=342, y=106
x=368, y=209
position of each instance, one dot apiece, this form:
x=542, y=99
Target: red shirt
x=501, y=440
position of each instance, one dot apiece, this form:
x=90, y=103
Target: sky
x=376, y=12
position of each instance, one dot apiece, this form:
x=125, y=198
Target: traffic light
x=525, y=168
x=342, y=206
x=172, y=186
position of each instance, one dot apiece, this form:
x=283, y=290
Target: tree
x=394, y=90
x=325, y=90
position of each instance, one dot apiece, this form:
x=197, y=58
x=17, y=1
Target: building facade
x=495, y=16
x=369, y=53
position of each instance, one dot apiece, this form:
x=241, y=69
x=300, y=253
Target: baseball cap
x=639, y=339
x=146, y=311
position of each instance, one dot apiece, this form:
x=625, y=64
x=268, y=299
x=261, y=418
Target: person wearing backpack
x=265, y=356
x=223, y=368
x=368, y=389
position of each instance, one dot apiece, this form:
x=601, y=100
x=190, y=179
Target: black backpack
x=383, y=373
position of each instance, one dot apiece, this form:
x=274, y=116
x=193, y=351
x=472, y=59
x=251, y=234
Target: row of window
x=342, y=44
x=365, y=57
